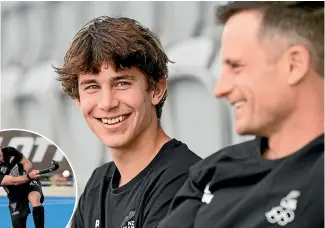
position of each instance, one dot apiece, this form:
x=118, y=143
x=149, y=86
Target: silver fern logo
x=128, y=221
x=284, y=213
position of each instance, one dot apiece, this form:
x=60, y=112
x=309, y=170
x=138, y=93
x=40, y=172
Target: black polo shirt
x=142, y=202
x=238, y=188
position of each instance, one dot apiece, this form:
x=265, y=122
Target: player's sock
x=38, y=216
x=19, y=223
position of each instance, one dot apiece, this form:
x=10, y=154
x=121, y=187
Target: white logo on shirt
x=130, y=224
x=13, y=206
x=207, y=195
x=3, y=169
x=128, y=221
x=284, y=213
x=15, y=213
x=14, y=171
x=11, y=159
x=33, y=183
x=97, y=223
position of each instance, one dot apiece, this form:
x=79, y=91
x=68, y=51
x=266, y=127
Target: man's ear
x=159, y=91
x=299, y=60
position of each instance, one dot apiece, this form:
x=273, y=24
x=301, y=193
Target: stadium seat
x=36, y=99
x=90, y=10
x=192, y=114
x=136, y=11
x=65, y=25
x=11, y=42
x=179, y=21
x=10, y=84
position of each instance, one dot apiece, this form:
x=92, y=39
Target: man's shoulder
x=173, y=161
x=238, y=151
x=104, y=171
x=7, y=149
x=10, y=151
x=182, y=149
x=178, y=155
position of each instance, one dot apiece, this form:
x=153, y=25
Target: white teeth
x=114, y=120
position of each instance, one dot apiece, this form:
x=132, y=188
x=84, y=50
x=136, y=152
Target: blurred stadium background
x=59, y=191
x=35, y=36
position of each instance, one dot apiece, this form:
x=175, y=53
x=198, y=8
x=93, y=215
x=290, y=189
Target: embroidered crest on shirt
x=128, y=221
x=284, y=213
x=207, y=195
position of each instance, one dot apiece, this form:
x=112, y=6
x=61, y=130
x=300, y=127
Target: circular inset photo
x=37, y=183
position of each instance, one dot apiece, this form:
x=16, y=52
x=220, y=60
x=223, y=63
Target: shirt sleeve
x=17, y=154
x=186, y=203
x=161, y=197
x=77, y=219
x=188, y=199
x=80, y=215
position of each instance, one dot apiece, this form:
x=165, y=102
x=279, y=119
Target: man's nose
x=108, y=99
x=223, y=86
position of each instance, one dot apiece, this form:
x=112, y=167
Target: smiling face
x=253, y=80
x=117, y=106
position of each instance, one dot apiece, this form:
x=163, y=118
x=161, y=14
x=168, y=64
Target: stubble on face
x=255, y=83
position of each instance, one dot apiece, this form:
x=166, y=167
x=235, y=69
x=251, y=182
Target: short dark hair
x=303, y=20
x=123, y=41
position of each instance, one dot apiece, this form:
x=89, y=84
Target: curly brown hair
x=122, y=41
x=300, y=21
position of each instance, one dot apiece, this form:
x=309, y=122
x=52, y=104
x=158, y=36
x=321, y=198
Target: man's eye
x=92, y=87
x=119, y=84
x=234, y=66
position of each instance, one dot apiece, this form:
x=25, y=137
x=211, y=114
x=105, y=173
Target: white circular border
x=74, y=173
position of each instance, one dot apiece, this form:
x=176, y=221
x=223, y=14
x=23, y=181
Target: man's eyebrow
x=87, y=81
x=123, y=77
x=112, y=79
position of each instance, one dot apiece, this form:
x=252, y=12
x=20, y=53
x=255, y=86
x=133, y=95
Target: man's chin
x=115, y=142
x=243, y=129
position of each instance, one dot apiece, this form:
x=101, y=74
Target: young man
x=22, y=186
x=273, y=75
x=116, y=71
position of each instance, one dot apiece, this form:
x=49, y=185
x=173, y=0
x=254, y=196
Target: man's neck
x=132, y=160
x=301, y=129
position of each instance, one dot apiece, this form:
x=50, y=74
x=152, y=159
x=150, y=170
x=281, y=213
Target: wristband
x=27, y=175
